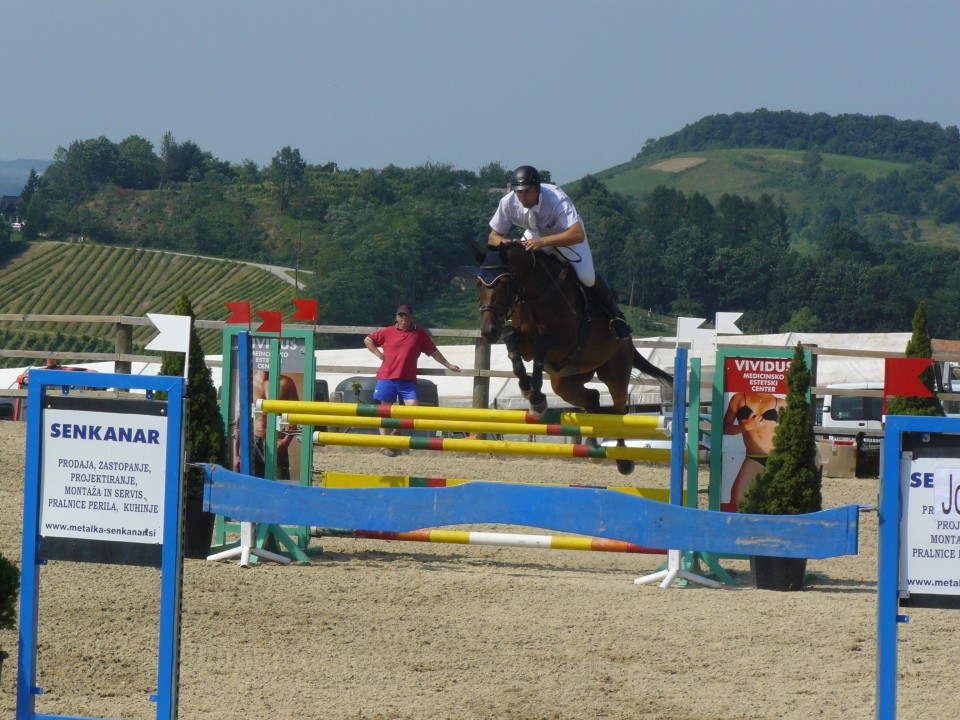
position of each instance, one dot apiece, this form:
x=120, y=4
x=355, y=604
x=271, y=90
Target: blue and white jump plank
x=585, y=511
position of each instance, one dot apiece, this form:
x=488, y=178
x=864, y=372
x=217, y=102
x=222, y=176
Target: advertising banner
x=755, y=390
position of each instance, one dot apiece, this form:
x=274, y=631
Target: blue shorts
x=388, y=391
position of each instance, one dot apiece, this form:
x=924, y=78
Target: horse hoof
x=538, y=407
x=625, y=467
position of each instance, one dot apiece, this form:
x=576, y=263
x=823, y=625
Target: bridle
x=491, y=275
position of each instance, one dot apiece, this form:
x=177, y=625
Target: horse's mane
x=549, y=261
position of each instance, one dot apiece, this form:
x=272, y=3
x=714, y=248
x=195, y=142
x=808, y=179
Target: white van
x=849, y=415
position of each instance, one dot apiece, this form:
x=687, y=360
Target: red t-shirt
x=401, y=350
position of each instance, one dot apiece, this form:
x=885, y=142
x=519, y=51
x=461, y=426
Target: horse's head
x=495, y=282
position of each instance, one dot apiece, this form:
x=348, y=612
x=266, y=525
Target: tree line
x=375, y=237
x=878, y=137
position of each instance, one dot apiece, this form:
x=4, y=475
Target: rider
x=551, y=223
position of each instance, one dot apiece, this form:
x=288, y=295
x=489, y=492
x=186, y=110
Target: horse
x=552, y=323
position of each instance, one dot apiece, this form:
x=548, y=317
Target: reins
x=554, y=285
x=517, y=289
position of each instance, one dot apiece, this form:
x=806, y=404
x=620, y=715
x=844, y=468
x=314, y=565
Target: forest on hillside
x=373, y=237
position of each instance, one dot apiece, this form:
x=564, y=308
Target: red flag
x=272, y=321
x=306, y=310
x=239, y=313
x=901, y=376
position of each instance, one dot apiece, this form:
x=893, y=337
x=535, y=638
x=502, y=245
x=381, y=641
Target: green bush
x=205, y=437
x=791, y=483
x=9, y=587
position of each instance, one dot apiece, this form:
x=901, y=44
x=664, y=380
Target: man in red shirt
x=399, y=346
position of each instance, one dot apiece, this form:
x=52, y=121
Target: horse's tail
x=646, y=367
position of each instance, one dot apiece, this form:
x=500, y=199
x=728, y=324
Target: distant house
x=9, y=207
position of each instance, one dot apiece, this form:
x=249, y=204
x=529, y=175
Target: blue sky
x=573, y=87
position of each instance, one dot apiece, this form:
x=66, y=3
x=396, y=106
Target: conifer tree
x=9, y=587
x=918, y=347
x=205, y=438
x=792, y=481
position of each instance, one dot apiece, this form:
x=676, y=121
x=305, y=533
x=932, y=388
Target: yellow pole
x=501, y=447
x=426, y=412
x=472, y=427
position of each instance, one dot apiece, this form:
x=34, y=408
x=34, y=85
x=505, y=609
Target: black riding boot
x=607, y=302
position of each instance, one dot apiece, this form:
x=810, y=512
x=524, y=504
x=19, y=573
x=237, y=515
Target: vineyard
x=87, y=279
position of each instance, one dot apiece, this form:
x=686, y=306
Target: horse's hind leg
x=572, y=388
x=616, y=376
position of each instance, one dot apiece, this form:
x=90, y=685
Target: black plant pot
x=197, y=528
x=777, y=573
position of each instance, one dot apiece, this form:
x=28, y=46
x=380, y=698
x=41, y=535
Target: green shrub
x=9, y=587
x=205, y=437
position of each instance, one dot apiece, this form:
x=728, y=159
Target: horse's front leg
x=538, y=401
x=511, y=339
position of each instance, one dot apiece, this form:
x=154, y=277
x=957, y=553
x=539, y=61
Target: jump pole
x=501, y=447
x=330, y=479
x=427, y=412
x=548, y=542
x=516, y=540
x=472, y=427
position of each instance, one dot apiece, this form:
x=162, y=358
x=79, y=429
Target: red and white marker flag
x=901, y=377
x=306, y=310
x=272, y=321
x=239, y=313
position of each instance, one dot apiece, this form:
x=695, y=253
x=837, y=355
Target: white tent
x=830, y=369
x=457, y=389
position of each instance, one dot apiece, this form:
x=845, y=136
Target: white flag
x=726, y=323
x=174, y=333
x=700, y=338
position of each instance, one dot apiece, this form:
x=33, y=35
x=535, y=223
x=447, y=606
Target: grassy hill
x=753, y=171
x=745, y=172
x=55, y=278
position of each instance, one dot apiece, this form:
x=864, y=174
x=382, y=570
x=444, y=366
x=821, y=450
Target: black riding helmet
x=523, y=177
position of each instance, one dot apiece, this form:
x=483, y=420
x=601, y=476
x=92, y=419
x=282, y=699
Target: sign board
x=919, y=533
x=929, y=559
x=102, y=483
x=103, y=474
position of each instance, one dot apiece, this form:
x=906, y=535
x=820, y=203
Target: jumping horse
x=552, y=323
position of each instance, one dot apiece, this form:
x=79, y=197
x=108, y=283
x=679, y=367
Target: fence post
x=124, y=343
x=481, y=385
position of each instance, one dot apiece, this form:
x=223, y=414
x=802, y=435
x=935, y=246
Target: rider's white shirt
x=553, y=213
